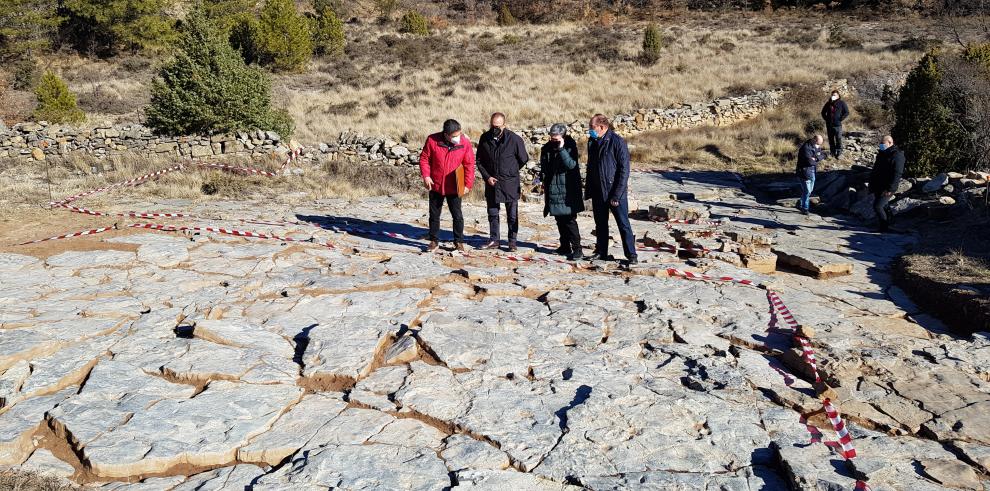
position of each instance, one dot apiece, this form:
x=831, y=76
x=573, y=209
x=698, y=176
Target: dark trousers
x=512, y=215
x=835, y=140
x=570, y=236
x=881, y=205
x=454, y=204
x=601, y=210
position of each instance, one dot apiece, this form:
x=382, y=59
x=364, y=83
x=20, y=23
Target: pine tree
x=228, y=13
x=27, y=26
x=652, y=44
x=207, y=87
x=280, y=38
x=924, y=127
x=328, y=33
x=56, y=104
x=107, y=26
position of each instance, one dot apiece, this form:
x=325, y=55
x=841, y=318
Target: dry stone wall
x=42, y=140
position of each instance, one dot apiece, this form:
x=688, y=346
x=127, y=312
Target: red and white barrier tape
x=130, y=214
x=840, y=429
x=219, y=230
x=808, y=353
x=703, y=277
x=136, y=180
x=75, y=234
x=782, y=309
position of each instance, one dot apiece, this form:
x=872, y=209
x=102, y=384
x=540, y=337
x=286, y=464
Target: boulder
x=678, y=211
x=38, y=154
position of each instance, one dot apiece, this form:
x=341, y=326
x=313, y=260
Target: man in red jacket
x=442, y=154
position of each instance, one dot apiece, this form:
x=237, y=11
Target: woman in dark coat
x=561, y=177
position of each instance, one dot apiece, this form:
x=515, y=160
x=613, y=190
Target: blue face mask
x=593, y=134
x=883, y=146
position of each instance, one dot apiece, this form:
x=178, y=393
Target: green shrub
x=280, y=38
x=924, y=127
x=505, y=17
x=652, y=44
x=414, y=23
x=56, y=104
x=977, y=53
x=207, y=88
x=328, y=33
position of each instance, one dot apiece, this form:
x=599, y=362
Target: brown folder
x=461, y=188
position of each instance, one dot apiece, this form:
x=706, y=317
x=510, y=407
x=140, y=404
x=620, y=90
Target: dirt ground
x=949, y=273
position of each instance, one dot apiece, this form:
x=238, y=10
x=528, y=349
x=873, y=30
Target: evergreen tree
x=56, y=104
x=228, y=13
x=328, y=32
x=208, y=88
x=106, y=26
x=924, y=126
x=652, y=44
x=280, y=38
x=27, y=26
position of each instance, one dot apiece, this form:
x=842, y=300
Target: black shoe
x=602, y=257
x=804, y=212
x=575, y=256
x=563, y=251
x=632, y=261
x=512, y=246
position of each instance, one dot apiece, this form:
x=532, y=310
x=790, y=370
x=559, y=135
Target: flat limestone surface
x=217, y=362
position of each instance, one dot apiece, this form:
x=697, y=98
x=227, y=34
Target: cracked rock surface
x=211, y=362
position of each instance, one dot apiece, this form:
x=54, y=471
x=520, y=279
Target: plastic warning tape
x=135, y=181
x=808, y=353
x=840, y=429
x=130, y=214
x=74, y=234
x=782, y=309
x=703, y=277
x=219, y=230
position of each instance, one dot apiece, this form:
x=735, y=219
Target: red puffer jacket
x=440, y=159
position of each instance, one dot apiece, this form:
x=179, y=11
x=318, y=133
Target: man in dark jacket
x=834, y=113
x=561, y=177
x=809, y=156
x=884, y=178
x=607, y=187
x=501, y=153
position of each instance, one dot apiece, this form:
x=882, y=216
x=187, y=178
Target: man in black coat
x=607, y=187
x=809, y=156
x=501, y=154
x=884, y=178
x=834, y=112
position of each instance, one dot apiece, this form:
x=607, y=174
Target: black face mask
x=496, y=131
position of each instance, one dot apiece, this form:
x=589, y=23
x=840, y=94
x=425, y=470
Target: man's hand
x=492, y=181
x=559, y=139
x=614, y=203
x=887, y=194
x=428, y=182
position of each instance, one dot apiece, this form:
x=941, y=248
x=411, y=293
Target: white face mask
x=455, y=139
x=835, y=97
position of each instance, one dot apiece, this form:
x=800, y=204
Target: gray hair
x=558, y=129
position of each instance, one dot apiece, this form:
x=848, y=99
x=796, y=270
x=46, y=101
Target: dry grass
x=405, y=87
x=558, y=73
x=18, y=480
x=24, y=183
x=765, y=144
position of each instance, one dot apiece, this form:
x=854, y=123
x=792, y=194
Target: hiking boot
x=597, y=256
x=434, y=245
x=459, y=247
x=491, y=244
x=575, y=256
x=632, y=261
x=563, y=251
x=512, y=246
x=804, y=212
